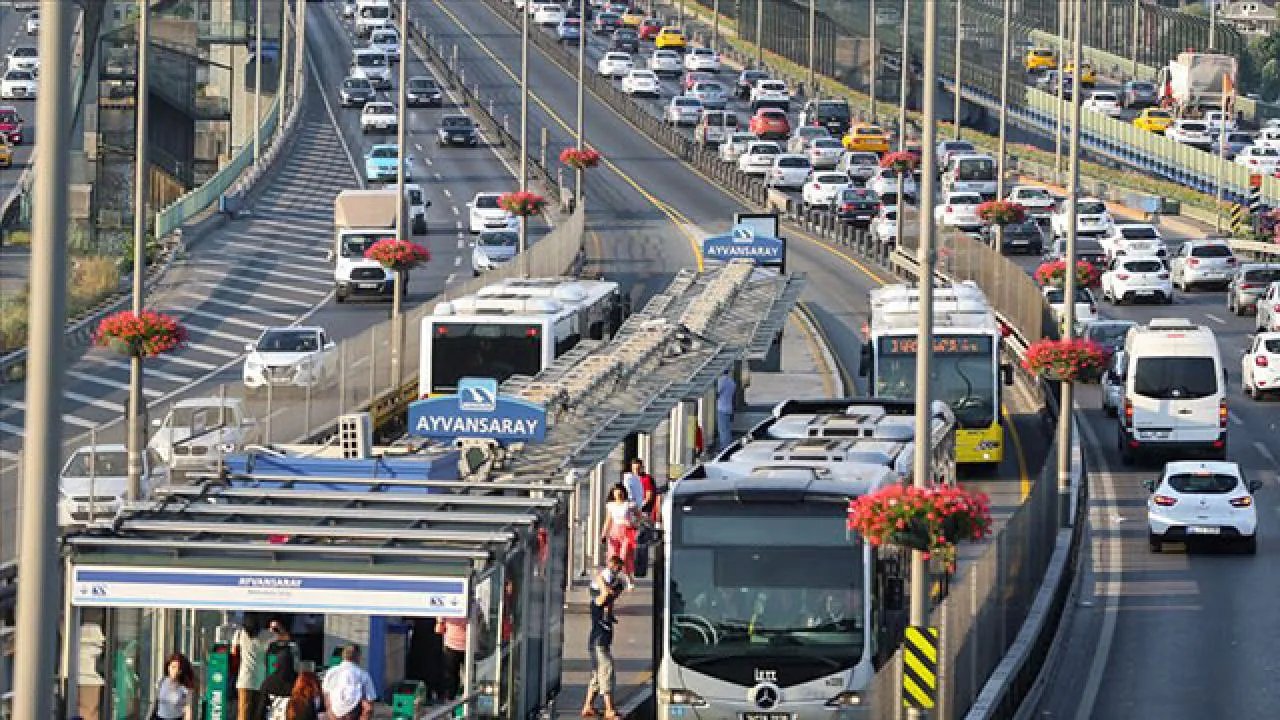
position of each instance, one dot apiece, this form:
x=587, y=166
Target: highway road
x=13, y=33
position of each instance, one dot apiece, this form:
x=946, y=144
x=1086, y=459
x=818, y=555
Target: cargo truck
x=360, y=219
x=1193, y=83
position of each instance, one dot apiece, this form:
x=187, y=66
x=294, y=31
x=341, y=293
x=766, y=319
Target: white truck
x=1196, y=81
x=360, y=219
x=198, y=432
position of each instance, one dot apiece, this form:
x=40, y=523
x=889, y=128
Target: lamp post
x=902, y=90
x=300, y=51
x=1137, y=24
x=1064, y=6
x=759, y=33
x=135, y=442
x=874, y=54
x=1003, y=142
x=257, y=84
x=523, y=247
x=955, y=112
x=813, y=44
x=582, y=61
x=283, y=82
x=1069, y=285
x=38, y=582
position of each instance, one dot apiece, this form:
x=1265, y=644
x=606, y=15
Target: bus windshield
x=491, y=350
x=963, y=374
x=795, y=602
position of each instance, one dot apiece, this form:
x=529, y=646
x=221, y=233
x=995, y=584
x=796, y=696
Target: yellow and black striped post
x=1239, y=219
x=920, y=668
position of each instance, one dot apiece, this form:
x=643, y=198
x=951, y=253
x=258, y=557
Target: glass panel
x=483, y=675
x=129, y=663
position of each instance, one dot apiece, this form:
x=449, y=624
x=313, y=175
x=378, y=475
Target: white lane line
x=239, y=307
x=260, y=297
x=1235, y=420
x=6, y=455
x=292, y=277
x=189, y=362
x=458, y=225
x=447, y=193
x=1215, y=318
x=201, y=347
x=438, y=176
x=419, y=147
x=223, y=318
x=113, y=384
x=451, y=278
x=238, y=340
x=11, y=429
x=68, y=419
x=460, y=243
x=96, y=402
x=455, y=212
x=333, y=119
x=251, y=249
x=1264, y=452
x=457, y=261
x=150, y=371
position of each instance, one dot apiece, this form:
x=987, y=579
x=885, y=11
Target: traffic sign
x=920, y=668
x=1255, y=181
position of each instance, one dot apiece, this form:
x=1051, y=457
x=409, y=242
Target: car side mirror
x=1149, y=484
x=330, y=345
x=1254, y=485
x=1006, y=373
x=468, y=204
x=328, y=255
x=248, y=347
x=156, y=422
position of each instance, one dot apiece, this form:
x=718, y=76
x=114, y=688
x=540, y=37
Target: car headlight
x=847, y=698
x=680, y=696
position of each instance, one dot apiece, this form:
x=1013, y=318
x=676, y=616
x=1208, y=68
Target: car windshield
x=385, y=38
x=1054, y=296
x=1265, y=151
x=423, y=84
x=1108, y=334
x=1161, y=114
x=354, y=245
x=833, y=110
x=379, y=109
x=1194, y=127
x=1243, y=138
x=9, y=118
x=499, y=239
x=486, y=201
x=964, y=200
x=18, y=75
x=864, y=159
x=1105, y=97
x=827, y=143
x=1142, y=87
x=356, y=84
x=750, y=76
x=384, y=152
x=830, y=179
x=25, y=52
x=1026, y=227
x=976, y=169
x=957, y=147
x=962, y=374
x=769, y=149
x=1138, y=233
x=289, y=341
x=455, y=122
x=1211, y=251
x=793, y=162
x=1262, y=275
x=1090, y=207
x=1169, y=378
x=109, y=463
x=869, y=130
x=200, y=418
x=1272, y=345
x=686, y=102
x=1089, y=247
x=1205, y=483
x=1145, y=266
x=1034, y=194
x=371, y=60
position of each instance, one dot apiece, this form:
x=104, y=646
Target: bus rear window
x=483, y=350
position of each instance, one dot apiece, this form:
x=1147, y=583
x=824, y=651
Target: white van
x=372, y=14
x=1174, y=391
x=971, y=173
x=372, y=64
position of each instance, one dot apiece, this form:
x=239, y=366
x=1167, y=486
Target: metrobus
x=770, y=606
x=515, y=327
x=966, y=370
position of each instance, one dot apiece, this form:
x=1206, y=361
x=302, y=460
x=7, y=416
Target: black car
x=356, y=91
x=747, y=80
x=1140, y=94
x=1024, y=237
x=833, y=115
x=457, y=130
x=606, y=22
x=625, y=40
x=422, y=91
x=858, y=206
x=1087, y=249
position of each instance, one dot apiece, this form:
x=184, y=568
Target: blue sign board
x=744, y=242
x=478, y=411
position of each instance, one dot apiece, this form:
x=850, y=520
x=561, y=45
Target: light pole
x=1137, y=24
x=1002, y=150
x=524, y=135
x=715, y=25
x=1069, y=287
x=1064, y=6
x=875, y=58
x=135, y=442
x=902, y=90
x=1213, y=24
x=921, y=467
x=283, y=82
x=582, y=61
x=813, y=44
x=300, y=55
x=38, y=582
x=759, y=33
x=398, y=277
x=257, y=85
x=955, y=112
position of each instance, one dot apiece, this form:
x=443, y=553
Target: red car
x=649, y=28
x=770, y=124
x=692, y=78
x=11, y=124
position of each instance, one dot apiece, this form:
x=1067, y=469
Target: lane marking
x=457, y=261
x=238, y=307
x=96, y=402
x=1264, y=452
x=1215, y=318
x=113, y=384
x=1235, y=420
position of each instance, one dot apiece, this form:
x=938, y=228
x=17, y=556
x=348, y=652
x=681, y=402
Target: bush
x=13, y=322
x=90, y=280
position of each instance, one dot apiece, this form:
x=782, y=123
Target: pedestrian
x=453, y=632
x=726, y=392
x=176, y=692
x=348, y=689
x=281, y=662
x=306, y=702
x=609, y=585
x=619, y=531
x=249, y=644
x=641, y=489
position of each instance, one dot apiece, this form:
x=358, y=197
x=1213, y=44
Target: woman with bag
x=176, y=693
x=620, y=523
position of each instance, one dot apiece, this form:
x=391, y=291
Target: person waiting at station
x=620, y=523
x=348, y=690
x=453, y=632
x=306, y=701
x=249, y=646
x=282, y=675
x=608, y=585
x=176, y=691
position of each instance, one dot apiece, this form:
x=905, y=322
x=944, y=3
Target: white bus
x=771, y=607
x=515, y=327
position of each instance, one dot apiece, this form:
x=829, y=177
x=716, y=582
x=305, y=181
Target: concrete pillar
x=659, y=442
x=595, y=506
x=644, y=450
x=707, y=419
x=680, y=449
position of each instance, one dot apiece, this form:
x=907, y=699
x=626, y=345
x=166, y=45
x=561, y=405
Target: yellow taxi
x=1088, y=76
x=632, y=17
x=6, y=152
x=866, y=138
x=1154, y=120
x=1040, y=59
x=669, y=38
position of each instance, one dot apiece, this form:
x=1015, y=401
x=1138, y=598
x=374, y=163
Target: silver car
x=802, y=136
x=732, y=149
x=492, y=249
x=1203, y=261
x=825, y=152
x=712, y=95
x=683, y=110
x=859, y=165
x=1248, y=284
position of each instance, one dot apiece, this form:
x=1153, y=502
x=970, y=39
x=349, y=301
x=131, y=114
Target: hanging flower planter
x=1065, y=360
x=522, y=203
x=143, y=335
x=397, y=255
x=1001, y=212
x=1054, y=274
x=580, y=159
x=931, y=520
x=900, y=162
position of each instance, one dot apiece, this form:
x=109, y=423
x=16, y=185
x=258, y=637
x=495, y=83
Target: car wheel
x=1155, y=543
x=1126, y=452
x=1168, y=299
x=339, y=297
x=1107, y=409
x=1250, y=545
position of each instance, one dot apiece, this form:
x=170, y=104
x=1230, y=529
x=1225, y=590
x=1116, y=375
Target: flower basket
x=580, y=159
x=931, y=520
x=1054, y=274
x=144, y=335
x=1001, y=212
x=1065, y=360
x=522, y=203
x=397, y=255
x=900, y=162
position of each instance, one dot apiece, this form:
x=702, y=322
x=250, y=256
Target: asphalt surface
x=13, y=33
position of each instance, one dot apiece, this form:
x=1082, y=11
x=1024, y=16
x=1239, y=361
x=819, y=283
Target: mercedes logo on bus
x=766, y=696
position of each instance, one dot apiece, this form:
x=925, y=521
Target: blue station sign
x=743, y=241
x=478, y=411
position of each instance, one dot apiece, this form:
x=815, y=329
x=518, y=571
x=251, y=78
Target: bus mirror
x=1006, y=373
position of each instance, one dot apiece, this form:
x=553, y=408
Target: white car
x=493, y=249
x=1203, y=261
x=615, y=64
x=803, y=135
x=371, y=64
x=789, y=170
x=665, y=61
x=1105, y=102
x=959, y=210
x=1037, y=200
x=386, y=39
x=702, y=59
x=884, y=182
x=197, y=432
x=1133, y=239
x=1092, y=218
x=485, y=214
x=378, y=117
x=641, y=82
x=95, y=479
x=757, y=159
x=884, y=228
x=1268, y=136
x=825, y=152
x=1190, y=132
x=23, y=57
x=18, y=85
x=1112, y=384
x=860, y=165
x=730, y=150
x=33, y=23
x=1267, y=317
x=1130, y=277
x=770, y=93
x=1215, y=119
x=417, y=203
x=822, y=187
x=1202, y=499
x=682, y=110
x=1260, y=366
x=1086, y=306
x=1259, y=159
x=548, y=14
x=289, y=357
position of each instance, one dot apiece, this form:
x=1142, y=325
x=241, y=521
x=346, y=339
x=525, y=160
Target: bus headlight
x=845, y=699
x=680, y=696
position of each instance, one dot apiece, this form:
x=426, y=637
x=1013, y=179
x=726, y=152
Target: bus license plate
x=370, y=286
x=764, y=716
x=1204, y=530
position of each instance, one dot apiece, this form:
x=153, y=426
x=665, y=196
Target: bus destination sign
x=478, y=410
x=948, y=345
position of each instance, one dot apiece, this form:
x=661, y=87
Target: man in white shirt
x=726, y=394
x=348, y=689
